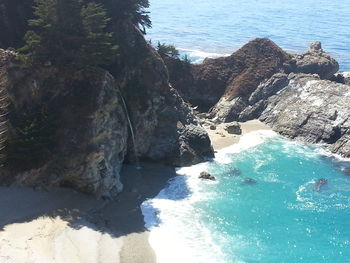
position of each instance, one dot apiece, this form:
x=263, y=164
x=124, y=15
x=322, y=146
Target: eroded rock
x=206, y=176
x=315, y=61
x=233, y=128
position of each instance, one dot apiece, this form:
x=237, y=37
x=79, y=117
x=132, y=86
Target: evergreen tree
x=133, y=10
x=65, y=32
x=98, y=42
x=169, y=50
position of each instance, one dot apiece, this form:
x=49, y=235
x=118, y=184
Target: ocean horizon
x=211, y=29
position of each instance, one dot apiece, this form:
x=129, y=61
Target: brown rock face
x=229, y=77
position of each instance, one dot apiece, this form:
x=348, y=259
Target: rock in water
x=249, y=181
x=319, y=183
x=206, y=176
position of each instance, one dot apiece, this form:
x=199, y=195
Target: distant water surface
x=209, y=28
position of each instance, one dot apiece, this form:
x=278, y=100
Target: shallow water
x=279, y=216
x=203, y=27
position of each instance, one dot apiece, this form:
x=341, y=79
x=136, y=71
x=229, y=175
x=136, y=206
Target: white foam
x=247, y=141
x=198, y=56
x=177, y=232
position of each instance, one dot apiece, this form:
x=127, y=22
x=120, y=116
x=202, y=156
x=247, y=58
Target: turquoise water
x=203, y=27
x=279, y=216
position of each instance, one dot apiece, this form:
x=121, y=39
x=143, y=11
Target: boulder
x=233, y=128
x=342, y=77
x=212, y=127
x=314, y=61
x=206, y=176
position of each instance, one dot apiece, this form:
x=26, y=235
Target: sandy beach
x=220, y=138
x=62, y=225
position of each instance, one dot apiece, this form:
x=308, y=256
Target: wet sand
x=221, y=138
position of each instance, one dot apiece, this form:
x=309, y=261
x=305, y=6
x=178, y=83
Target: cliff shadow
x=117, y=217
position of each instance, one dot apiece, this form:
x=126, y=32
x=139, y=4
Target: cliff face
x=165, y=127
x=311, y=110
x=69, y=127
x=228, y=77
x=223, y=86
x=290, y=93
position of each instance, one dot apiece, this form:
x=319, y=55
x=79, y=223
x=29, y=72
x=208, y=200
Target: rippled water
x=223, y=26
x=263, y=207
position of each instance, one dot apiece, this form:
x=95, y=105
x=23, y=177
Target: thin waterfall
x=131, y=130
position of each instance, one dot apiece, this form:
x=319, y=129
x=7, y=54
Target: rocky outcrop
x=342, y=77
x=166, y=128
x=84, y=136
x=229, y=87
x=311, y=110
x=244, y=106
x=315, y=61
x=206, y=176
x=229, y=77
x=83, y=146
x=233, y=128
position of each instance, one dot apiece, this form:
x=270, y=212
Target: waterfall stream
x=137, y=161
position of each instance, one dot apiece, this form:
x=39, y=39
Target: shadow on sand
x=117, y=217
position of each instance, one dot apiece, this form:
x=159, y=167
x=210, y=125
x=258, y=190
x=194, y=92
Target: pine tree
x=98, y=44
x=65, y=32
x=132, y=10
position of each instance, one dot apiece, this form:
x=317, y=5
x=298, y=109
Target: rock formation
x=290, y=93
x=84, y=136
x=206, y=176
x=311, y=110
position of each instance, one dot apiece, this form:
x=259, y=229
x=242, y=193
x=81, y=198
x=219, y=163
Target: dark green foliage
x=33, y=141
x=67, y=32
x=169, y=50
x=132, y=10
x=98, y=43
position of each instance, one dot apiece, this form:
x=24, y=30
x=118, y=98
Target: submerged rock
x=206, y=176
x=249, y=181
x=319, y=183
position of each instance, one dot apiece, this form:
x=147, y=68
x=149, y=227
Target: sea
x=209, y=28
x=274, y=200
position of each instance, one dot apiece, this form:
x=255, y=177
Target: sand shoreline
x=220, y=138
x=65, y=226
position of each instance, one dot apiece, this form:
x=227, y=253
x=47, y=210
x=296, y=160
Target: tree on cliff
x=68, y=32
x=132, y=10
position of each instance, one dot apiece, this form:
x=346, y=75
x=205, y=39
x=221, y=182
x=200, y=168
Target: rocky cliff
x=310, y=109
x=69, y=127
x=291, y=93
